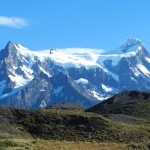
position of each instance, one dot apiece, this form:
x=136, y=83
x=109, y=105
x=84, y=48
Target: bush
x=137, y=146
x=8, y=143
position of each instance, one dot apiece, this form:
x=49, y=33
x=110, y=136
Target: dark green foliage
x=7, y=143
x=134, y=146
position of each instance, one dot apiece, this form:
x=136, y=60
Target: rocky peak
x=8, y=50
x=131, y=45
x=8, y=44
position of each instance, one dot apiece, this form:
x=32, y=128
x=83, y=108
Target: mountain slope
x=65, y=106
x=35, y=80
x=131, y=103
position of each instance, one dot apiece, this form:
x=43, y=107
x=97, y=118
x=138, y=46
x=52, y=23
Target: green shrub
x=137, y=146
x=8, y=143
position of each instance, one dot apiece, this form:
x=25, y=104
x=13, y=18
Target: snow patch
x=113, y=75
x=42, y=90
x=82, y=80
x=45, y=72
x=135, y=71
x=107, y=89
x=14, y=91
x=147, y=59
x=43, y=104
x=143, y=69
x=96, y=95
x=134, y=79
x=27, y=71
x=139, y=48
x=19, y=80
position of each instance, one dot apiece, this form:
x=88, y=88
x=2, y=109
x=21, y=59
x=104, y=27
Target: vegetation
x=38, y=144
x=82, y=126
x=131, y=103
x=118, y=125
x=65, y=106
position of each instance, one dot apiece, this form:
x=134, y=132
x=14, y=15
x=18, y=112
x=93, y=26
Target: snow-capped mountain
x=30, y=79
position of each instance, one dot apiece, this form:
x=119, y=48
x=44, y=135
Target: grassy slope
x=67, y=129
x=82, y=126
x=37, y=144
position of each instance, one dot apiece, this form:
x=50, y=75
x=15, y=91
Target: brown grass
x=36, y=144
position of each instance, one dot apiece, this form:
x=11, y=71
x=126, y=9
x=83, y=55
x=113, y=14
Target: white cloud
x=81, y=50
x=14, y=22
x=76, y=51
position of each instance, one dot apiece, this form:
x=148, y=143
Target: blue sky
x=101, y=24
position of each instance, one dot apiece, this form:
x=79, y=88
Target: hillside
x=132, y=103
x=65, y=106
x=68, y=129
x=68, y=125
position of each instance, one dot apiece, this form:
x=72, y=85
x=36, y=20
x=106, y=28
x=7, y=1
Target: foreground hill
x=69, y=125
x=65, y=106
x=30, y=79
x=132, y=103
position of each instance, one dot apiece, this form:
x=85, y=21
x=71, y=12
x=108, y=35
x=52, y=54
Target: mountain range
x=35, y=79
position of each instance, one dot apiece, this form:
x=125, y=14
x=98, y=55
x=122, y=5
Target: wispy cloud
x=82, y=50
x=14, y=22
x=76, y=51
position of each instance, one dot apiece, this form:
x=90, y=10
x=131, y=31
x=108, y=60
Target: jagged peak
x=133, y=40
x=8, y=48
x=131, y=44
x=8, y=44
x=11, y=44
x=14, y=50
x=17, y=46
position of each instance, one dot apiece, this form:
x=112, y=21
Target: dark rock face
x=65, y=90
x=28, y=80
